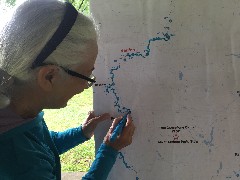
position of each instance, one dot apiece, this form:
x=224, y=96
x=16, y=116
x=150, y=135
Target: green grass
x=81, y=157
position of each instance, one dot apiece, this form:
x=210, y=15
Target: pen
x=118, y=130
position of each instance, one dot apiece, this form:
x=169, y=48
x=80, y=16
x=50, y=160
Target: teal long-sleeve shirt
x=31, y=151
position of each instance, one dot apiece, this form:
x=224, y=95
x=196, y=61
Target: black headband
x=68, y=21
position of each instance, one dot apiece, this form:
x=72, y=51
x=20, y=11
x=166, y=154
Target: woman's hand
x=91, y=123
x=125, y=138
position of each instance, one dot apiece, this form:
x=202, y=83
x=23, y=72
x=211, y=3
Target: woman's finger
x=129, y=120
x=100, y=118
x=128, y=133
x=129, y=125
x=90, y=115
x=115, y=123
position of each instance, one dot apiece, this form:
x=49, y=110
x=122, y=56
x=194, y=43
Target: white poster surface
x=176, y=65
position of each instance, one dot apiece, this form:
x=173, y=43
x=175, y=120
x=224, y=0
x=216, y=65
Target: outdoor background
x=81, y=157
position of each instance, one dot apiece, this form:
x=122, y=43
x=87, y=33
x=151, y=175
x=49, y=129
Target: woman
x=47, y=55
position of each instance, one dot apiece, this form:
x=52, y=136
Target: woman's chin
x=63, y=105
x=58, y=106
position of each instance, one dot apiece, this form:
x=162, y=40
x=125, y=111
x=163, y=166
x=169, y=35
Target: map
x=176, y=65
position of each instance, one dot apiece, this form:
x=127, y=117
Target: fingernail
x=129, y=116
x=90, y=112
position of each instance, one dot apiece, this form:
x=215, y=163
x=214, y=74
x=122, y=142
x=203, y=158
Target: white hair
x=30, y=27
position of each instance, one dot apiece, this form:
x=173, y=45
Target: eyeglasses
x=91, y=79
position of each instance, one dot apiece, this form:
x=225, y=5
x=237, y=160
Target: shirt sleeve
x=68, y=139
x=103, y=163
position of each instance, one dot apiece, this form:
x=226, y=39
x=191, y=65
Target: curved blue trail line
x=125, y=57
x=210, y=142
x=121, y=156
x=110, y=88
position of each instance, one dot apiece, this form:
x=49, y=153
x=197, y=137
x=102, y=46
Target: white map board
x=176, y=65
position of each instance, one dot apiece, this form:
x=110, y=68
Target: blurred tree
x=80, y=5
x=10, y=2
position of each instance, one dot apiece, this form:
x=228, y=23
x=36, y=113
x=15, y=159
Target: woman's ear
x=47, y=76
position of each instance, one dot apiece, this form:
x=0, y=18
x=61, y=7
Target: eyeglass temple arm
x=79, y=75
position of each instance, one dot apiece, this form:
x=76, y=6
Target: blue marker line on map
x=111, y=88
x=220, y=168
x=121, y=156
x=180, y=75
x=210, y=142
